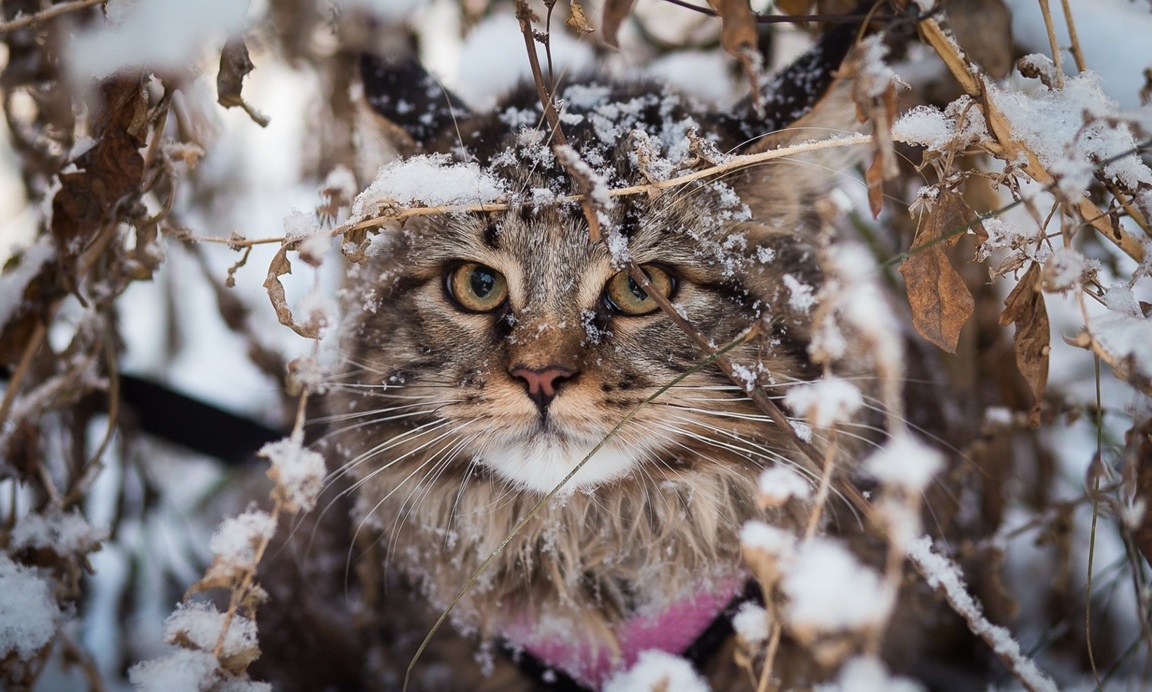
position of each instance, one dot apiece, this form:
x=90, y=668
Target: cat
x=486, y=354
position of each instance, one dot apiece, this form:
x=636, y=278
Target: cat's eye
x=476, y=288
x=624, y=295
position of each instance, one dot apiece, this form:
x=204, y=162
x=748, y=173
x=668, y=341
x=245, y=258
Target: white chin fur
x=540, y=465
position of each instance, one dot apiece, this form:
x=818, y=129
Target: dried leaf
x=279, y=267
x=738, y=35
x=794, y=6
x=111, y=170
x=577, y=20
x=615, y=12
x=1025, y=308
x=881, y=112
x=941, y=302
x=874, y=177
x=234, y=66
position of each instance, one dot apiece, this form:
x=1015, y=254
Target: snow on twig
x=944, y=575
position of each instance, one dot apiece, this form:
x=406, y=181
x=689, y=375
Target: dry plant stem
x=893, y=576
x=1077, y=54
x=1055, y=46
x=524, y=16
x=770, y=658
x=30, y=350
x=1095, y=519
x=824, y=489
x=238, y=243
x=49, y=486
x=241, y=591
x=81, y=484
x=813, y=457
x=81, y=656
x=963, y=604
x=397, y=214
x=730, y=164
x=46, y=14
x=1133, y=213
x=1007, y=148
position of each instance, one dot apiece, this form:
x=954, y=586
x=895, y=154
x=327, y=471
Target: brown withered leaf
x=738, y=35
x=110, y=170
x=279, y=267
x=1025, y=308
x=881, y=112
x=234, y=67
x=613, y=16
x=577, y=20
x=874, y=178
x=794, y=6
x=941, y=302
x=88, y=198
x=1140, y=444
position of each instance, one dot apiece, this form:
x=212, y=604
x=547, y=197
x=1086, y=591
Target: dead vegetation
x=111, y=169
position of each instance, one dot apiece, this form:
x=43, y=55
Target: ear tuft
x=401, y=91
x=792, y=94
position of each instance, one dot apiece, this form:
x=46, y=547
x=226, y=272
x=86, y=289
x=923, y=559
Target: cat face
x=529, y=344
x=508, y=345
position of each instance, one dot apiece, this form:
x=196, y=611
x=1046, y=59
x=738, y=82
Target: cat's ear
x=404, y=110
x=809, y=100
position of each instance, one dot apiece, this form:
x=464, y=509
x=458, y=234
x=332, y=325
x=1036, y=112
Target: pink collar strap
x=590, y=663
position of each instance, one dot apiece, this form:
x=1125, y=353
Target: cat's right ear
x=404, y=110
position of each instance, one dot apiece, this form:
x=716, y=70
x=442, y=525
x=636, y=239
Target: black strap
x=192, y=423
x=180, y=419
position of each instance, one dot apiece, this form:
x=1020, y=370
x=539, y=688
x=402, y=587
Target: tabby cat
x=487, y=354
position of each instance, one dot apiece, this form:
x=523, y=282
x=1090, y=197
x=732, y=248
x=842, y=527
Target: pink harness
x=591, y=663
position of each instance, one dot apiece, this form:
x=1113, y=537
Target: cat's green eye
x=624, y=295
x=476, y=288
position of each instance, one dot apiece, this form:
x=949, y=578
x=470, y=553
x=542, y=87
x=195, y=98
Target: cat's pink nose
x=543, y=382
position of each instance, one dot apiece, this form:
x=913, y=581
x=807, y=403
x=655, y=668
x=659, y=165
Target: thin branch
x=1052, y=42
x=1007, y=148
x=730, y=164
x=781, y=18
x=46, y=14
x=1077, y=54
x=944, y=575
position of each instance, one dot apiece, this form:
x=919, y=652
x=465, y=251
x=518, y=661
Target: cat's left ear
x=404, y=110
x=810, y=99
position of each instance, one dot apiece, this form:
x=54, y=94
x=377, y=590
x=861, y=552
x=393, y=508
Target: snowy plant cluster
x=986, y=306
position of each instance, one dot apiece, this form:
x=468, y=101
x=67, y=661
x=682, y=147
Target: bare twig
x=1052, y=42
x=30, y=349
x=1077, y=53
x=943, y=575
x=728, y=165
x=1008, y=148
x=46, y=14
